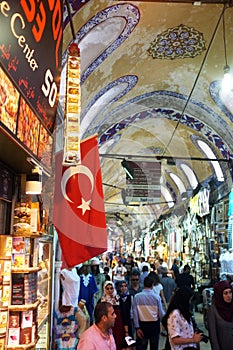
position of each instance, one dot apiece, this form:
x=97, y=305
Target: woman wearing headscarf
x=220, y=317
x=179, y=323
x=110, y=295
x=126, y=308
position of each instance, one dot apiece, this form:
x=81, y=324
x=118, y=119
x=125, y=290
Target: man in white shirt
x=118, y=273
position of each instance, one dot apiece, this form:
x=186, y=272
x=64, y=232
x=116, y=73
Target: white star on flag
x=84, y=206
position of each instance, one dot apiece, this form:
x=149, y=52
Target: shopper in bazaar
x=178, y=321
x=185, y=278
x=175, y=268
x=169, y=285
x=135, y=286
x=99, y=336
x=118, y=273
x=158, y=287
x=129, y=265
x=220, y=317
x=147, y=313
x=126, y=303
x=110, y=295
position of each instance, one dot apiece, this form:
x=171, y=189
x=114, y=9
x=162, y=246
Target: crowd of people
x=124, y=304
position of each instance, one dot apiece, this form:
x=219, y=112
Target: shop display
x=9, y=98
x=23, y=313
x=17, y=116
x=28, y=127
x=25, y=280
x=5, y=273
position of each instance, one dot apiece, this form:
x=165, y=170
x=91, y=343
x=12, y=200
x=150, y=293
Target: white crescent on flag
x=79, y=169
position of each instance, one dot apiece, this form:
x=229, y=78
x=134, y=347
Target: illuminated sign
x=30, y=51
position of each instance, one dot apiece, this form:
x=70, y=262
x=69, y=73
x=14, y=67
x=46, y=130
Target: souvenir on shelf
x=26, y=220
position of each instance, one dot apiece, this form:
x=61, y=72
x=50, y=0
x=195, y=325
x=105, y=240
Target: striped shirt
x=147, y=307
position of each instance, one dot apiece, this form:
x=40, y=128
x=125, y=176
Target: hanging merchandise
x=72, y=107
x=230, y=220
x=82, y=317
x=226, y=261
x=66, y=328
x=203, y=202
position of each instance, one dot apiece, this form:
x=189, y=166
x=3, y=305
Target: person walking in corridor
x=220, y=317
x=99, y=335
x=178, y=321
x=169, y=285
x=147, y=313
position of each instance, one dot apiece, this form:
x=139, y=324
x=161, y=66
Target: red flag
x=79, y=214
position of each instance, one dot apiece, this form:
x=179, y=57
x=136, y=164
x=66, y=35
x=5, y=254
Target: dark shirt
x=176, y=270
x=125, y=308
x=129, y=266
x=133, y=292
x=185, y=279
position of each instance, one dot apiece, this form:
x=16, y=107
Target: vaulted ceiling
x=151, y=89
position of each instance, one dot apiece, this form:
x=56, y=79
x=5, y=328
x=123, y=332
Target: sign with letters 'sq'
x=30, y=51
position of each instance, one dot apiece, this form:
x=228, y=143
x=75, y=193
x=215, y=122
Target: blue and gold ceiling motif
x=177, y=42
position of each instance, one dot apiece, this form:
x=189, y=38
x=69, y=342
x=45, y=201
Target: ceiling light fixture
x=36, y=164
x=34, y=182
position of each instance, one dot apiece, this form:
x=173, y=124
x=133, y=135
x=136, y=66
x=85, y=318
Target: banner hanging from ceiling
x=144, y=186
x=30, y=52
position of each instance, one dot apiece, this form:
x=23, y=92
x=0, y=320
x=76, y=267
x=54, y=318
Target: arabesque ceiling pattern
x=151, y=87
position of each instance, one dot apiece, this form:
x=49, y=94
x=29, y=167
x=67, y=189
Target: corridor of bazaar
x=116, y=140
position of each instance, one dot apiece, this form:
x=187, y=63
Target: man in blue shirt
x=147, y=313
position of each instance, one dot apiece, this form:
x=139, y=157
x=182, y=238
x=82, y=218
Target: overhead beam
x=158, y=158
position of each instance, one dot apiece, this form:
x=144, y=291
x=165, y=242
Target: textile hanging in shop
x=79, y=214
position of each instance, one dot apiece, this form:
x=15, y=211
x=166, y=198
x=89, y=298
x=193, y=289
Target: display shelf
x=24, y=307
x=3, y=308
x=5, y=283
x=23, y=346
x=25, y=270
x=29, y=281
x=28, y=234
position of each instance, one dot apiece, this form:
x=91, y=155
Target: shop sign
x=145, y=186
x=30, y=52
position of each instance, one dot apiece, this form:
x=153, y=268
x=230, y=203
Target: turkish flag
x=78, y=213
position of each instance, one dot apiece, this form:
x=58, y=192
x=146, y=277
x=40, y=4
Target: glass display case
x=44, y=290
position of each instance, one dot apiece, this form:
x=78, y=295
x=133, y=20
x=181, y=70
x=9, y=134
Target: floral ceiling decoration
x=177, y=42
